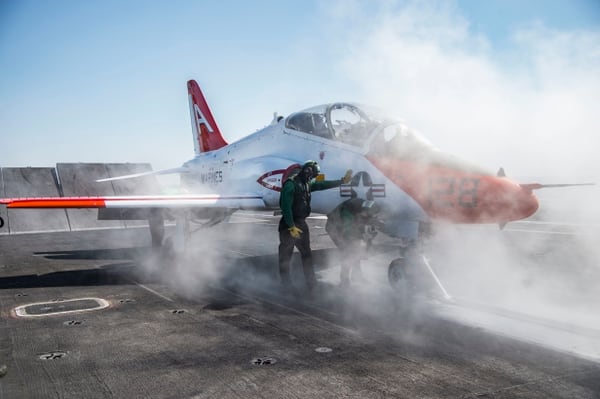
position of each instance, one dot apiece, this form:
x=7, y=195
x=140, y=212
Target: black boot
x=309, y=273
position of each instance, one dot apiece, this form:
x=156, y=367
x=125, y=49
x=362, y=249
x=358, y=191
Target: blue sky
x=104, y=81
x=498, y=19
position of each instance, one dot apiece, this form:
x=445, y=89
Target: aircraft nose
x=528, y=203
x=512, y=201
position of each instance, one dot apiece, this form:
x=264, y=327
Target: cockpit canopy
x=360, y=126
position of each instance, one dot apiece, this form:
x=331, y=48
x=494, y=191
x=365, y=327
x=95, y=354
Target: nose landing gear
x=398, y=276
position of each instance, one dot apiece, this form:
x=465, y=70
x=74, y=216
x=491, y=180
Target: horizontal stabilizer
x=152, y=173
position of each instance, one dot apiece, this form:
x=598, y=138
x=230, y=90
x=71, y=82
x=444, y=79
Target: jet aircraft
x=413, y=182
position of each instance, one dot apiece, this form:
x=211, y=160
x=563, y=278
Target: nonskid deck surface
x=213, y=322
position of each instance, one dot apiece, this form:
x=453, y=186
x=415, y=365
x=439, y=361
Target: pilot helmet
x=313, y=167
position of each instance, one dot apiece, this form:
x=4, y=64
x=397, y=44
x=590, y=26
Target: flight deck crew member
x=294, y=202
x=351, y=226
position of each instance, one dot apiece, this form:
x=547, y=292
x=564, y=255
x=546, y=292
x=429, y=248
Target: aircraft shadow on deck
x=113, y=274
x=97, y=254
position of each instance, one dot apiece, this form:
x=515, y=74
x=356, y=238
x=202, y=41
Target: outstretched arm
x=326, y=184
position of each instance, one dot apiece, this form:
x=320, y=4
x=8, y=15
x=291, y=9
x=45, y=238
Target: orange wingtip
x=54, y=202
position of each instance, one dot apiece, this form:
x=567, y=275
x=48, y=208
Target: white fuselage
x=237, y=168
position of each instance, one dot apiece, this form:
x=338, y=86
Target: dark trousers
x=351, y=252
x=286, y=248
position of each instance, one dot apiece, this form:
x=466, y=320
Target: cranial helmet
x=370, y=207
x=313, y=166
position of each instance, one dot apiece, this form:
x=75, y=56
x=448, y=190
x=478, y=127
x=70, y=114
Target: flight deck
x=101, y=314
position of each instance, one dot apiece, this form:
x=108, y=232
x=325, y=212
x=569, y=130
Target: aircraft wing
x=244, y=201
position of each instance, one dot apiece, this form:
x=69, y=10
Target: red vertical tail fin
x=207, y=136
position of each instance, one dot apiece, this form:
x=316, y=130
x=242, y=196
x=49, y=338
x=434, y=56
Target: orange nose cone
x=528, y=204
x=506, y=201
x=520, y=202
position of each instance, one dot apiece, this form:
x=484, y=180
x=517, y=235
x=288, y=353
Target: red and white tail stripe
x=207, y=136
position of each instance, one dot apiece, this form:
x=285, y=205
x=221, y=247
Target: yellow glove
x=347, y=177
x=295, y=232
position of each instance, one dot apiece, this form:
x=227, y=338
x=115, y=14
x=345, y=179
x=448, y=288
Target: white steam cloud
x=530, y=106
